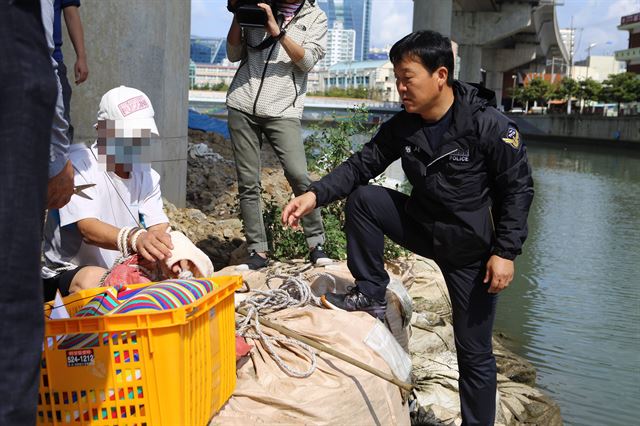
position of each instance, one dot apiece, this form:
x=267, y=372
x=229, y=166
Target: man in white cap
x=122, y=212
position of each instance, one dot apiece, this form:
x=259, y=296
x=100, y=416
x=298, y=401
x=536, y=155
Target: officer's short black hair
x=432, y=48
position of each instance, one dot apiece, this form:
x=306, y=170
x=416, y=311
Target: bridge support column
x=470, y=63
x=132, y=44
x=494, y=82
x=434, y=15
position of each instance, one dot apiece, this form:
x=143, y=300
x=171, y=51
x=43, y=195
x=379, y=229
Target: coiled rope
x=294, y=292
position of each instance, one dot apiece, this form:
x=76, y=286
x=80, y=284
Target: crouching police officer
x=472, y=189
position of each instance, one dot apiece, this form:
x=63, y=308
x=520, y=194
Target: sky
x=595, y=21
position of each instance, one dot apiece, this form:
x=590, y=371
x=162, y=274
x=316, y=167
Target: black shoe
x=355, y=301
x=318, y=257
x=254, y=262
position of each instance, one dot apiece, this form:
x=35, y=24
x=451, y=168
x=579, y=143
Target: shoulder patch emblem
x=512, y=138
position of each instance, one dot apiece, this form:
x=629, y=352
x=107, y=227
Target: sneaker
x=254, y=262
x=355, y=301
x=318, y=257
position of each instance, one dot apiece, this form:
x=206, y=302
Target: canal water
x=573, y=309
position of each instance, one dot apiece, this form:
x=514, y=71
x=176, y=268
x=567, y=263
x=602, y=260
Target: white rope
x=294, y=292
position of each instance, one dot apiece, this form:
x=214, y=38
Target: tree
x=589, y=91
x=566, y=89
x=619, y=88
x=535, y=90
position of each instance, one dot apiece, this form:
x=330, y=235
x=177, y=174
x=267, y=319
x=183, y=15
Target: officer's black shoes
x=355, y=301
x=318, y=257
x=253, y=262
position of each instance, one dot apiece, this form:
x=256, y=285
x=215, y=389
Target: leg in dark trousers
x=473, y=315
x=27, y=101
x=373, y=212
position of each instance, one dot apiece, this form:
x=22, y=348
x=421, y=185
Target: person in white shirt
x=122, y=213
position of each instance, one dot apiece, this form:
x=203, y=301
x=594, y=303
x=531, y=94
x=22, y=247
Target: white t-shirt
x=119, y=202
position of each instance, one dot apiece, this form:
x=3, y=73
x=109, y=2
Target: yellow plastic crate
x=172, y=367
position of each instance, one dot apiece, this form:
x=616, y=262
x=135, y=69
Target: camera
x=249, y=14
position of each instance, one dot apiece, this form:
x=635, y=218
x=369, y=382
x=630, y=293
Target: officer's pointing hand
x=298, y=208
x=499, y=273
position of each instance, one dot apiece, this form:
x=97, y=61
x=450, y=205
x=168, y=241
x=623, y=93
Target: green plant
x=326, y=148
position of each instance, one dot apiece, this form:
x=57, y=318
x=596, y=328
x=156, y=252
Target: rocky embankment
x=211, y=221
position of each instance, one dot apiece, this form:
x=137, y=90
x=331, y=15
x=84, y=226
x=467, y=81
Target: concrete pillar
x=470, y=63
x=494, y=82
x=146, y=46
x=433, y=15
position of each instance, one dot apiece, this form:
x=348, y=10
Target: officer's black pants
x=373, y=212
x=27, y=102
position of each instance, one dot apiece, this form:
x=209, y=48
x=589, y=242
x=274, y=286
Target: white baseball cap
x=130, y=108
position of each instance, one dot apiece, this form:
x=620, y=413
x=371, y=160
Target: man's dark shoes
x=355, y=301
x=253, y=262
x=318, y=257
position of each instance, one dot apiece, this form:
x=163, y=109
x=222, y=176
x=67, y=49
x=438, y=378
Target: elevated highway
x=497, y=38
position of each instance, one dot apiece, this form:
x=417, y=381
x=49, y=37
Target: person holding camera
x=278, y=44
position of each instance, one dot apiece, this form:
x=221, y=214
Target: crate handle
x=192, y=312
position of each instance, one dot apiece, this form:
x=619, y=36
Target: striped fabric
x=101, y=304
x=169, y=294
x=288, y=10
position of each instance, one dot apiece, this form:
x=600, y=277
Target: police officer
x=471, y=193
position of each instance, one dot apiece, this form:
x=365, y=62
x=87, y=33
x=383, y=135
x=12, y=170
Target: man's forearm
x=75, y=30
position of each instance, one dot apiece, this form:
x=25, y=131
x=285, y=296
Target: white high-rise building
x=569, y=39
x=341, y=46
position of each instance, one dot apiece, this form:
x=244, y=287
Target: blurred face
x=419, y=89
x=126, y=148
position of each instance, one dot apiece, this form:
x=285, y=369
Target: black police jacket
x=472, y=195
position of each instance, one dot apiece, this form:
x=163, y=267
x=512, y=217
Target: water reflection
x=573, y=309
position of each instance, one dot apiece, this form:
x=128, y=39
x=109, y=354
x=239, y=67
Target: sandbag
x=336, y=393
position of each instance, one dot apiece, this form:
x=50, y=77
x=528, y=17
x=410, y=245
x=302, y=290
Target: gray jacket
x=268, y=83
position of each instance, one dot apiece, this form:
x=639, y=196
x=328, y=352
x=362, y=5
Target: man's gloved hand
x=231, y=6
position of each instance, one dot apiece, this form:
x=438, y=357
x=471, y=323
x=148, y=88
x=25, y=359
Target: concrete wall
x=145, y=45
x=583, y=127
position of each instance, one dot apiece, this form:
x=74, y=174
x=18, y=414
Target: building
x=215, y=74
x=206, y=50
x=376, y=76
x=631, y=55
x=341, y=46
x=597, y=68
x=352, y=15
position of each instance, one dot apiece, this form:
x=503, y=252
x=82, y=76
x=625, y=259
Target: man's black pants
x=373, y=212
x=27, y=100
